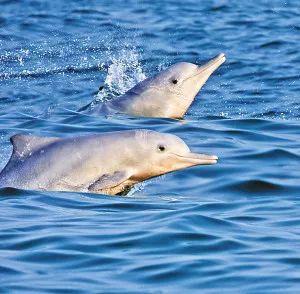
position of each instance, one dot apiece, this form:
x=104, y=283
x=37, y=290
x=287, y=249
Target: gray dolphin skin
x=168, y=94
x=107, y=163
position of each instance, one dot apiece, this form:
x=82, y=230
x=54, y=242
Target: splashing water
x=124, y=72
x=43, y=59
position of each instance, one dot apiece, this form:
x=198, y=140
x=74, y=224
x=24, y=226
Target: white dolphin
x=168, y=94
x=108, y=163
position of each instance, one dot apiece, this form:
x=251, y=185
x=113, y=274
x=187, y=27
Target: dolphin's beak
x=197, y=158
x=173, y=162
x=191, y=159
x=208, y=68
x=195, y=82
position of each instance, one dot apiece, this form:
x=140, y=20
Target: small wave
x=257, y=186
x=278, y=153
x=42, y=72
x=14, y=192
x=272, y=44
x=218, y=7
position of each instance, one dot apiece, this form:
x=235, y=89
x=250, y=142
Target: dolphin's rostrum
x=108, y=163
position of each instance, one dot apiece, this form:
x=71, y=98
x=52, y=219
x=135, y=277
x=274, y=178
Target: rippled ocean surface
x=233, y=227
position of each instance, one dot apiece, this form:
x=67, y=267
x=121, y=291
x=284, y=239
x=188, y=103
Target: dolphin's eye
x=161, y=148
x=174, y=81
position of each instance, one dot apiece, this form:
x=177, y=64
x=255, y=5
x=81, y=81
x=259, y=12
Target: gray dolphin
x=168, y=94
x=108, y=163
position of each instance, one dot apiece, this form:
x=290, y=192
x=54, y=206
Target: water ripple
x=231, y=227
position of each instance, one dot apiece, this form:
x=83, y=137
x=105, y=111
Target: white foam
x=123, y=73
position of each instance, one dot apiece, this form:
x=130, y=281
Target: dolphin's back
x=37, y=161
x=60, y=163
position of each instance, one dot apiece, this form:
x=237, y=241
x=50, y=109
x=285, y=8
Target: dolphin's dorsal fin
x=25, y=145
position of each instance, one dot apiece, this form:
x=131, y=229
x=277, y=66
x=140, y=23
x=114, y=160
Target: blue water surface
x=228, y=228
